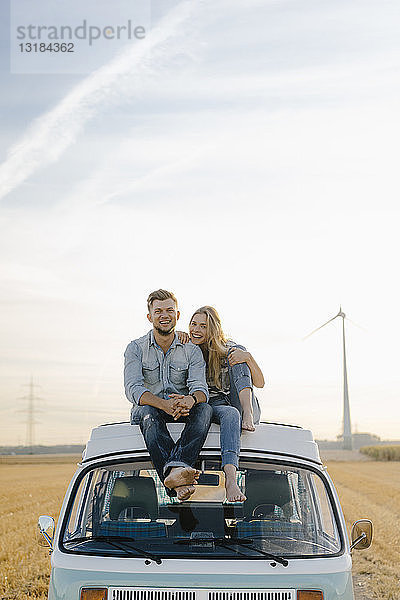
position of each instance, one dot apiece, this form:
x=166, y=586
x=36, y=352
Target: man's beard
x=164, y=332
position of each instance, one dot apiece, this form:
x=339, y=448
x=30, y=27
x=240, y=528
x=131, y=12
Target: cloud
x=52, y=133
x=134, y=69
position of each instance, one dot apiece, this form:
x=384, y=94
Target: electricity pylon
x=31, y=411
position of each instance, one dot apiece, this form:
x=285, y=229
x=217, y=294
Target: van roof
x=276, y=439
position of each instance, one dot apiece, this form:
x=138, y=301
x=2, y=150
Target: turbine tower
x=347, y=435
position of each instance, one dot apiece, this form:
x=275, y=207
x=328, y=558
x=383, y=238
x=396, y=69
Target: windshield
x=123, y=509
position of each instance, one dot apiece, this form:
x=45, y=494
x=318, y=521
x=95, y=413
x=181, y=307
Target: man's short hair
x=160, y=295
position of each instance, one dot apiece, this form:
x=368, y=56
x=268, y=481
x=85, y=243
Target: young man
x=165, y=380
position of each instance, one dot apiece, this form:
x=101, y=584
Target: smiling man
x=165, y=380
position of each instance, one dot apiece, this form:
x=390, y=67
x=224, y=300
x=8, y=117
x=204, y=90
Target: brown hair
x=160, y=295
x=215, y=348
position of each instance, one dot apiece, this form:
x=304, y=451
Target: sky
x=241, y=155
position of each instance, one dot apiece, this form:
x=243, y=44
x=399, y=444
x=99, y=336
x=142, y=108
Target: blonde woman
x=231, y=374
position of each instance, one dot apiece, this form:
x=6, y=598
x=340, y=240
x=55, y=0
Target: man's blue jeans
x=164, y=452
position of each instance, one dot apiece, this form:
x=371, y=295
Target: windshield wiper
x=117, y=542
x=227, y=542
x=275, y=557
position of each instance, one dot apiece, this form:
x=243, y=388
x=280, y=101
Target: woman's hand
x=237, y=356
x=183, y=337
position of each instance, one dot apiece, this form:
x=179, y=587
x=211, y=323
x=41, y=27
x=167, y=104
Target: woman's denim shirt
x=181, y=370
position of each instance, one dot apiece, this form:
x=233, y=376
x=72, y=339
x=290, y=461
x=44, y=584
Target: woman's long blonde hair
x=215, y=348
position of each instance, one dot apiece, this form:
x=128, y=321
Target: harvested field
x=40, y=459
x=27, y=491
x=36, y=485
x=372, y=490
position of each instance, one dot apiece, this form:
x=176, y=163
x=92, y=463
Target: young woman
x=231, y=374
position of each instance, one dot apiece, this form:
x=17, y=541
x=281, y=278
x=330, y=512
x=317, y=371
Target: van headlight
x=309, y=595
x=94, y=594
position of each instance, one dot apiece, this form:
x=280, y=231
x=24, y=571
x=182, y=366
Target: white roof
x=278, y=440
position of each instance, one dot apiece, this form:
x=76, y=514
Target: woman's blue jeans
x=240, y=378
x=227, y=412
x=229, y=421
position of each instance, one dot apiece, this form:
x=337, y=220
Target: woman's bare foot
x=181, y=476
x=245, y=397
x=247, y=421
x=233, y=493
x=184, y=492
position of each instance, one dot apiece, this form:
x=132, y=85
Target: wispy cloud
x=52, y=133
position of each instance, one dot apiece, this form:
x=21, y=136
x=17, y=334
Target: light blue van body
x=125, y=577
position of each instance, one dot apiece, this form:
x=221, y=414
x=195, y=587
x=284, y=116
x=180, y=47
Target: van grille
x=130, y=593
x=245, y=595
x=124, y=593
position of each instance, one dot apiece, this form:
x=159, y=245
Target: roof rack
x=278, y=439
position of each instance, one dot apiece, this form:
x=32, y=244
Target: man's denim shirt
x=147, y=369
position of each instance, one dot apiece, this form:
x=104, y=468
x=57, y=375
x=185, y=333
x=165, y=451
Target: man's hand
x=168, y=407
x=237, y=356
x=182, y=405
x=176, y=405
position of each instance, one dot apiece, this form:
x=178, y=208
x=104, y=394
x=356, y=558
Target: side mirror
x=361, y=534
x=46, y=529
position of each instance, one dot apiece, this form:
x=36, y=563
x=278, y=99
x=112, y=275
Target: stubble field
x=30, y=486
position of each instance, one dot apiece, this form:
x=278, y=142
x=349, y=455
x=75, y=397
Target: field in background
x=30, y=486
x=372, y=490
x=382, y=452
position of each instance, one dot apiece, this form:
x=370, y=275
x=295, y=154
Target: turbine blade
x=356, y=324
x=320, y=327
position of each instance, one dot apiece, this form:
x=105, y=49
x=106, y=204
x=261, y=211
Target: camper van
x=119, y=535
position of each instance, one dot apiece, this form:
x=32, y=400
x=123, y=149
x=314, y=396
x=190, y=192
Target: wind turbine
x=347, y=436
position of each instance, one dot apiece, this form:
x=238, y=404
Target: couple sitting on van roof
x=169, y=378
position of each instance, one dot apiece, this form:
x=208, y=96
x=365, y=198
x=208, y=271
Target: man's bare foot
x=180, y=476
x=233, y=493
x=184, y=492
x=247, y=422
